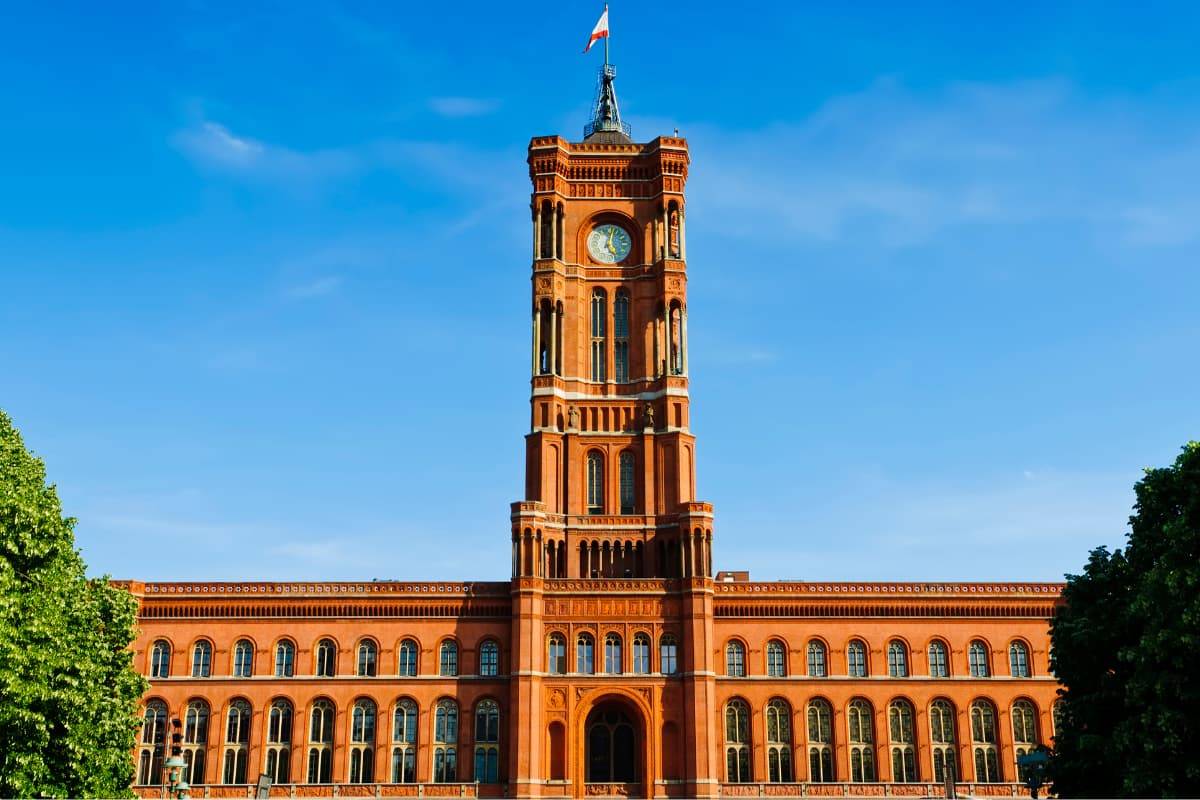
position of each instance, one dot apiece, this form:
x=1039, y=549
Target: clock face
x=608, y=244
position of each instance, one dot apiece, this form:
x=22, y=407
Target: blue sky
x=264, y=274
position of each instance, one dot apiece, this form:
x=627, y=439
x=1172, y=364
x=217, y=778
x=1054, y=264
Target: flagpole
x=606, y=38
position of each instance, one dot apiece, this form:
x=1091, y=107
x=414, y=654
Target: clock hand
x=611, y=249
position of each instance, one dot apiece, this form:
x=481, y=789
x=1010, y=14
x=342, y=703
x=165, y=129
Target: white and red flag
x=600, y=31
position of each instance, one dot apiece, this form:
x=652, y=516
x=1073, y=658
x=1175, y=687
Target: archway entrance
x=613, y=750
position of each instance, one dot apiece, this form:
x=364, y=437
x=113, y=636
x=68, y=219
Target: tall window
x=983, y=742
x=237, y=743
x=897, y=655
x=816, y=660
x=595, y=483
x=941, y=730
x=448, y=659
x=735, y=660
x=195, y=741
x=445, y=742
x=737, y=742
x=243, y=659
x=279, y=741
x=621, y=336
x=154, y=735
x=585, y=654
x=977, y=658
x=557, y=655
x=408, y=658
x=285, y=659
x=903, y=741
x=641, y=654
x=820, y=742
x=202, y=660
x=404, y=742
x=599, y=312
x=326, y=659
x=668, y=655
x=487, y=742
x=1018, y=660
x=1025, y=738
x=862, y=741
x=489, y=658
x=628, y=491
x=160, y=659
x=613, y=664
x=368, y=659
x=320, y=743
x=362, y=742
x=938, y=663
x=776, y=659
x=856, y=659
x=779, y=742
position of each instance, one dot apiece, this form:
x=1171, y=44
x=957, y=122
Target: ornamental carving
x=557, y=699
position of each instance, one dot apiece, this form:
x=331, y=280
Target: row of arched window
x=316, y=740
x=813, y=744
x=612, y=659
x=817, y=662
x=325, y=656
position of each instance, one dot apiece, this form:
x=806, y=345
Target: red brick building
x=614, y=662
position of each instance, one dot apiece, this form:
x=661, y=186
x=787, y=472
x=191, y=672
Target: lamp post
x=175, y=764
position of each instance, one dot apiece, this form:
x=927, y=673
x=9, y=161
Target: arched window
x=154, y=733
x=939, y=664
x=856, y=659
x=489, y=658
x=735, y=660
x=326, y=659
x=599, y=313
x=816, y=660
x=613, y=663
x=445, y=742
x=820, y=742
x=160, y=659
x=903, y=741
x=621, y=336
x=279, y=741
x=1025, y=737
x=237, y=743
x=487, y=742
x=362, y=742
x=320, y=743
x=202, y=659
x=983, y=742
x=977, y=658
x=737, y=742
x=448, y=658
x=1018, y=660
x=368, y=659
x=641, y=654
x=243, y=659
x=776, y=659
x=861, y=722
x=941, y=730
x=585, y=654
x=628, y=491
x=779, y=742
x=195, y=741
x=557, y=654
x=404, y=742
x=595, y=483
x=407, y=658
x=1057, y=712
x=668, y=653
x=897, y=655
x=285, y=659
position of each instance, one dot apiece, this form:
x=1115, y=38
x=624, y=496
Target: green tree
x=68, y=691
x=1126, y=647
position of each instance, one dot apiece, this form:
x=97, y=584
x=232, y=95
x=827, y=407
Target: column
x=554, y=232
x=654, y=366
x=667, y=336
x=683, y=346
x=682, y=237
x=666, y=229
x=553, y=365
x=537, y=230
x=537, y=328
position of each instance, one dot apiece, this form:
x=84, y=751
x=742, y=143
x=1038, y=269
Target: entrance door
x=612, y=746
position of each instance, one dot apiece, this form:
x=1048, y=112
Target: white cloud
x=463, y=106
x=214, y=146
x=314, y=288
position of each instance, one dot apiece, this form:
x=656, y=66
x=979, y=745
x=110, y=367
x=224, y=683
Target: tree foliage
x=68, y=691
x=1126, y=648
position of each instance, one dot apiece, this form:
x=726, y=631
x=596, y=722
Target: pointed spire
x=606, y=126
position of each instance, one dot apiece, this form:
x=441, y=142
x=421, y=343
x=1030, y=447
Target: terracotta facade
x=614, y=662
